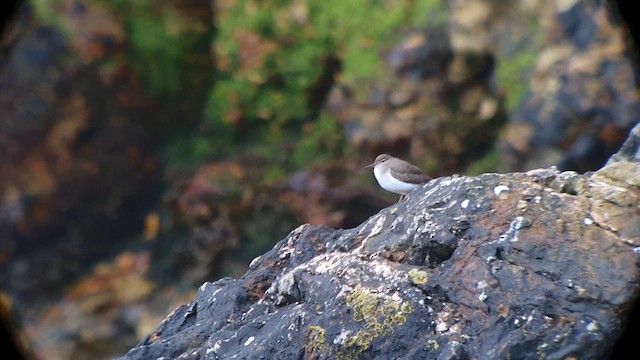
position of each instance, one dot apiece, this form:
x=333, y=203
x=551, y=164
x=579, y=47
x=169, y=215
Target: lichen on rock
x=549, y=267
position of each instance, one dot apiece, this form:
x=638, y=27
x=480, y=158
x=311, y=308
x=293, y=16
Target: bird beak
x=370, y=165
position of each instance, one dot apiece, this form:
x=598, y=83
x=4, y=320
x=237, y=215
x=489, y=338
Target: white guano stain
x=249, y=340
x=500, y=189
x=516, y=225
x=592, y=326
x=464, y=204
x=482, y=285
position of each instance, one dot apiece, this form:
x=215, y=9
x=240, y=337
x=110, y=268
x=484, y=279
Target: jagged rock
x=542, y=264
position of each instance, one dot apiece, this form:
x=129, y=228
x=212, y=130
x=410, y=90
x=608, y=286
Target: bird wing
x=413, y=174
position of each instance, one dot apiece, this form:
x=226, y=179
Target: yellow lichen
x=316, y=338
x=368, y=311
x=432, y=345
x=375, y=328
x=364, y=338
x=418, y=277
x=380, y=314
x=350, y=341
x=350, y=299
x=389, y=308
x=406, y=307
x=387, y=329
x=399, y=319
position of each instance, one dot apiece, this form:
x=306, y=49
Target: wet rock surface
x=523, y=265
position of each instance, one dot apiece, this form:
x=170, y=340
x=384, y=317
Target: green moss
x=364, y=27
x=157, y=53
x=275, y=62
x=275, y=57
x=323, y=141
x=517, y=61
x=45, y=13
x=511, y=75
x=168, y=48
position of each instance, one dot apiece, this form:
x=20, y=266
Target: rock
x=560, y=76
x=630, y=150
x=439, y=104
x=15, y=342
x=582, y=99
x=328, y=195
x=101, y=313
x=74, y=162
x=538, y=264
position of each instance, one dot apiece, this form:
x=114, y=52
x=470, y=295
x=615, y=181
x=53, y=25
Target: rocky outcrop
x=542, y=264
x=548, y=82
x=78, y=165
x=582, y=98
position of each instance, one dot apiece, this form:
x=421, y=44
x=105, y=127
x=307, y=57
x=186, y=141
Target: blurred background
x=149, y=146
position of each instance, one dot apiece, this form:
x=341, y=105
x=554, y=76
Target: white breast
x=390, y=183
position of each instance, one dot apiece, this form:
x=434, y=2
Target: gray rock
x=522, y=266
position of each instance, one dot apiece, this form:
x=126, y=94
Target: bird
x=396, y=175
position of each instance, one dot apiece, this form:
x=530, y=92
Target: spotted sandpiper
x=397, y=176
